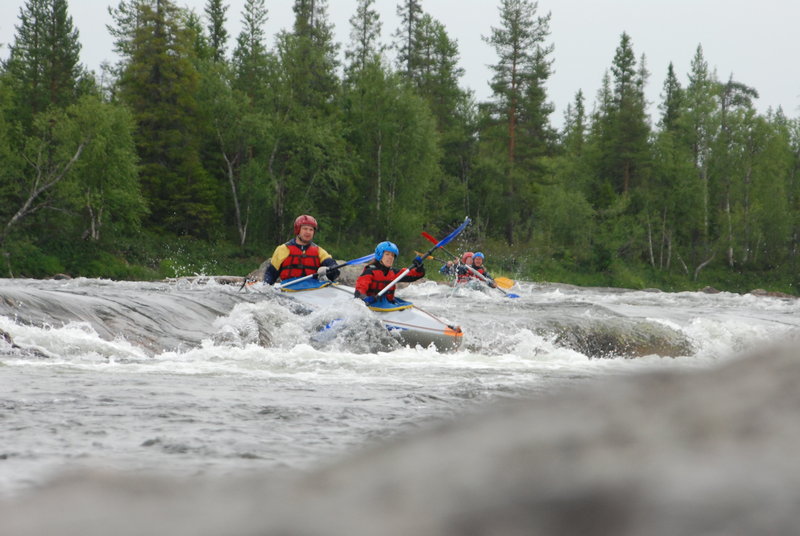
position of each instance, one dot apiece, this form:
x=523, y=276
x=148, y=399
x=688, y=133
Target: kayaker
x=463, y=275
x=379, y=273
x=300, y=256
x=477, y=265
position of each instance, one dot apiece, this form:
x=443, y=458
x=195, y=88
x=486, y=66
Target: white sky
x=756, y=42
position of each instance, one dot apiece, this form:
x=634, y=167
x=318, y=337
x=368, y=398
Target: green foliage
x=25, y=259
x=198, y=164
x=159, y=82
x=44, y=63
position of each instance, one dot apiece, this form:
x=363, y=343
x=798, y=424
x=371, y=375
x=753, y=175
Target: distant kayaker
x=379, y=273
x=300, y=256
x=452, y=268
x=477, y=265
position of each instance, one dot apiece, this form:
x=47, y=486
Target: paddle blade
x=504, y=282
x=360, y=260
x=430, y=239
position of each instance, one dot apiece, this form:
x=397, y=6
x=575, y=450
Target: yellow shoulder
x=279, y=255
x=323, y=255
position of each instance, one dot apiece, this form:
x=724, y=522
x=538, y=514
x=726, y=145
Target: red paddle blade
x=429, y=237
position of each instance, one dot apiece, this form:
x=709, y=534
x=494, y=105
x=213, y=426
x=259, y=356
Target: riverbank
x=154, y=258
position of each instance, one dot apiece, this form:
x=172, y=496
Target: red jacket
x=376, y=276
x=300, y=262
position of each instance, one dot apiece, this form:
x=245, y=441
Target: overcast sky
x=756, y=42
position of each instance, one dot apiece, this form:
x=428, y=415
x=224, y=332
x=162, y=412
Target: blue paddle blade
x=444, y=241
x=360, y=260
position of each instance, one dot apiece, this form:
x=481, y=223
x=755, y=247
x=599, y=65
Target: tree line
x=225, y=139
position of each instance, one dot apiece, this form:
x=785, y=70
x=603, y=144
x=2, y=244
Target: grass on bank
x=150, y=257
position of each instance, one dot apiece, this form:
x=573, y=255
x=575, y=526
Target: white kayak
x=412, y=325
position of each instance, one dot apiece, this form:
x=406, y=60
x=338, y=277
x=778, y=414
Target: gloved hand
x=369, y=300
x=417, y=262
x=322, y=273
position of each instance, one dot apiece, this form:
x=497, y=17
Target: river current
x=196, y=378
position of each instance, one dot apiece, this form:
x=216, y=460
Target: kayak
x=472, y=284
x=412, y=325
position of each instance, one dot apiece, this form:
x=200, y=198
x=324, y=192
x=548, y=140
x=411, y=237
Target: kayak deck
x=412, y=325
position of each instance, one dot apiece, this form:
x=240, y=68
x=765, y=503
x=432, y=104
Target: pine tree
x=672, y=101
x=436, y=80
x=519, y=105
x=574, y=133
x=310, y=57
x=308, y=167
x=698, y=126
x=251, y=60
x=410, y=13
x=44, y=58
x=218, y=35
x=365, y=33
x=629, y=118
x=159, y=82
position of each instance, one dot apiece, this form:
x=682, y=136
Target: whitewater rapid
x=192, y=377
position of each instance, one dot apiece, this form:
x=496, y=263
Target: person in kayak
x=451, y=268
x=463, y=275
x=477, y=265
x=300, y=256
x=379, y=273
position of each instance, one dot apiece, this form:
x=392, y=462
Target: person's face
x=478, y=261
x=306, y=234
x=387, y=259
x=469, y=261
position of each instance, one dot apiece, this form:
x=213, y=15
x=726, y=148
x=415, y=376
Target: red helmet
x=304, y=219
x=465, y=256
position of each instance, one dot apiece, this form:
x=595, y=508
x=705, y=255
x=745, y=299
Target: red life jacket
x=480, y=270
x=463, y=274
x=380, y=276
x=300, y=262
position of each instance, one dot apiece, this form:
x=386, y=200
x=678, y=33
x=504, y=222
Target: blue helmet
x=479, y=254
x=383, y=247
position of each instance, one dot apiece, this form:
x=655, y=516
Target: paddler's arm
x=274, y=267
x=417, y=271
x=362, y=286
x=325, y=259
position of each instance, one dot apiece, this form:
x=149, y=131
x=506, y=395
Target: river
x=194, y=377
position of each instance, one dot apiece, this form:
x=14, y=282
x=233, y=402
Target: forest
x=196, y=150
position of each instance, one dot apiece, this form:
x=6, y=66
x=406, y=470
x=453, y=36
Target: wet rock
x=772, y=294
x=609, y=336
x=709, y=290
x=662, y=454
x=258, y=273
x=7, y=338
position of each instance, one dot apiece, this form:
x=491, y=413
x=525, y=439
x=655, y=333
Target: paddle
x=473, y=270
x=504, y=282
x=444, y=241
x=359, y=260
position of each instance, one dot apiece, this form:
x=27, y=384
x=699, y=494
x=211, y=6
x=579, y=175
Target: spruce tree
x=43, y=62
x=217, y=34
x=251, y=60
x=671, y=101
x=699, y=126
x=629, y=118
x=159, y=82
